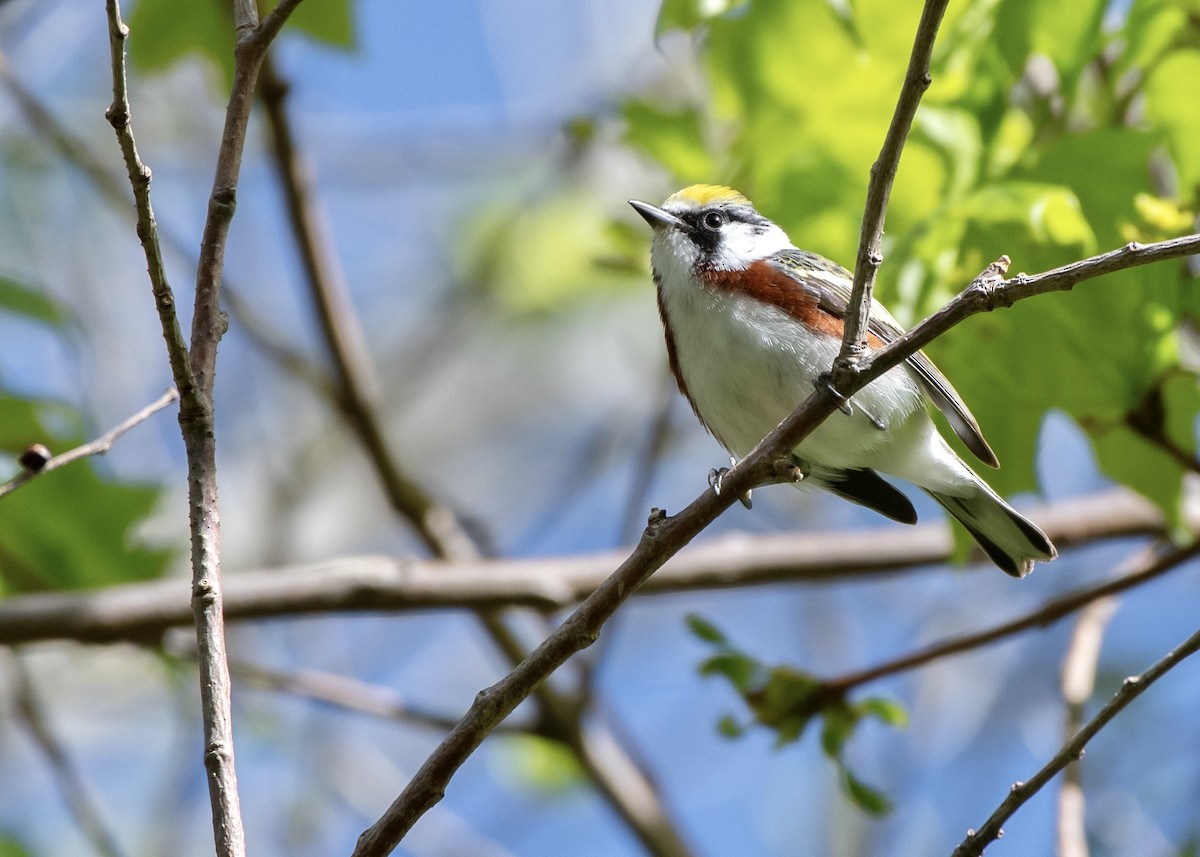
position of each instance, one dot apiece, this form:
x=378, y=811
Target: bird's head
x=709, y=228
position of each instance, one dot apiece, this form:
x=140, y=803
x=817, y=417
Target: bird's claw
x=845, y=405
x=717, y=475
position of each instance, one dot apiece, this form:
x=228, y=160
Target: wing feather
x=830, y=283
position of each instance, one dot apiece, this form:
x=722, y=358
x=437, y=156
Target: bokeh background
x=473, y=159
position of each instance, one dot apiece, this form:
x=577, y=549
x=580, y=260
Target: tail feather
x=1011, y=541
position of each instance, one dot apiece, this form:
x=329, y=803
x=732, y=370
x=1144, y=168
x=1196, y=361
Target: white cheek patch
x=745, y=243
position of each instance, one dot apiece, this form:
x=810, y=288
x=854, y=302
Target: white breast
x=747, y=365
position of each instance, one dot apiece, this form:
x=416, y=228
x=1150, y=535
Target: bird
x=753, y=324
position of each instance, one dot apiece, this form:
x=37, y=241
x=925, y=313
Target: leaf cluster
x=786, y=701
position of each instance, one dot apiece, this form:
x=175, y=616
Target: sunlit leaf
x=865, y=797
x=536, y=764
x=69, y=528
x=163, y=32
x=16, y=297
x=743, y=671
x=705, y=630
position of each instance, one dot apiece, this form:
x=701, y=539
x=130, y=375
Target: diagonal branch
x=1133, y=687
x=616, y=775
x=665, y=536
x=35, y=465
x=76, y=791
x=879, y=188
x=1045, y=615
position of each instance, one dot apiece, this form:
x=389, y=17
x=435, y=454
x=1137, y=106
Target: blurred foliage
x=1050, y=133
x=535, y=764
x=787, y=701
x=163, y=32
x=10, y=847
x=69, y=528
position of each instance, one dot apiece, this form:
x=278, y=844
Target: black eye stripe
x=704, y=224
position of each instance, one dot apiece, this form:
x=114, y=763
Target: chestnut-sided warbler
x=752, y=323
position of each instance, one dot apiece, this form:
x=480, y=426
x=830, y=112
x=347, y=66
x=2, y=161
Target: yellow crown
x=706, y=194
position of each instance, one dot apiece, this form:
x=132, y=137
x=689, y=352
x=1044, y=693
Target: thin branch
x=665, y=536
x=194, y=368
x=99, y=446
x=1078, y=683
x=988, y=291
x=1047, y=614
x=141, y=612
x=879, y=188
x=79, y=797
x=356, y=388
x=1133, y=687
x=118, y=115
x=113, y=191
x=341, y=691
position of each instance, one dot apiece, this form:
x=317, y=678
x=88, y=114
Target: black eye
x=713, y=220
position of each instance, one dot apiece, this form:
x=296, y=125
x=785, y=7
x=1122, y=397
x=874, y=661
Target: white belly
x=746, y=369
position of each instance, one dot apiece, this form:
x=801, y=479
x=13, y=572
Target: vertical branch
x=883, y=173
x=1078, y=682
x=194, y=370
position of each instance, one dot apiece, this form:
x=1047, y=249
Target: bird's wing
x=830, y=284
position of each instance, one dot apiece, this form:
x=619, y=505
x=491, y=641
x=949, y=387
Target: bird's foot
x=845, y=405
x=717, y=475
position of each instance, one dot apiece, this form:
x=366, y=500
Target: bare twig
x=1047, y=614
x=1078, y=682
x=194, y=367
x=79, y=797
x=879, y=188
x=1133, y=687
x=141, y=612
x=356, y=388
x=99, y=446
x=118, y=115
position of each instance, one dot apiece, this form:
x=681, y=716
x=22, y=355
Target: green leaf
x=886, y=710
x=163, y=32
x=569, y=251
x=865, y=797
x=329, y=22
x=728, y=727
x=787, y=702
x=705, y=630
x=743, y=671
x=533, y=763
x=1152, y=28
x=10, y=846
x=18, y=298
x=69, y=528
x=837, y=727
x=687, y=15
x=1171, y=102
x=672, y=137
x=1067, y=33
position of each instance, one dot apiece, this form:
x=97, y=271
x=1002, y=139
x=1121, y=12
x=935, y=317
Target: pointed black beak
x=655, y=216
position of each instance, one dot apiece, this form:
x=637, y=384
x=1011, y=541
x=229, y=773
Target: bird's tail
x=1012, y=542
